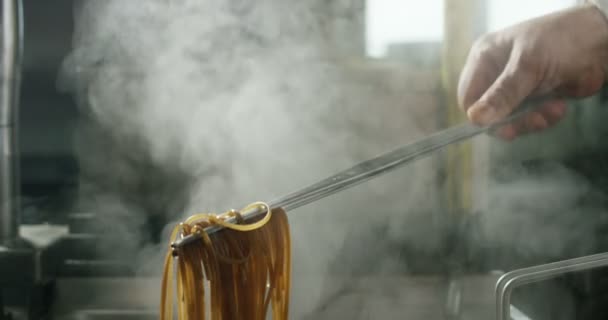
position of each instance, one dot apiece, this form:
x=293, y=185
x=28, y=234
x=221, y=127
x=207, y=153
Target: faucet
x=10, y=84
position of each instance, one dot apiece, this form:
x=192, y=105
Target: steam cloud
x=543, y=213
x=202, y=106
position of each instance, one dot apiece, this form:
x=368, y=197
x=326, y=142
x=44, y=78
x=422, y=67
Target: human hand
x=560, y=55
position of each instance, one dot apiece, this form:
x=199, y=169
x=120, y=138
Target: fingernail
x=481, y=114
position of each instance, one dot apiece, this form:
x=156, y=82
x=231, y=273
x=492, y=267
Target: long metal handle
x=368, y=169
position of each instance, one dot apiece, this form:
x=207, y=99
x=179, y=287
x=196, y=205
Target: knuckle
x=504, y=92
x=528, y=62
x=482, y=47
x=484, y=41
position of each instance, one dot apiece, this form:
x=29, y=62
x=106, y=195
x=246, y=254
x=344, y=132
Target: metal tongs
x=367, y=170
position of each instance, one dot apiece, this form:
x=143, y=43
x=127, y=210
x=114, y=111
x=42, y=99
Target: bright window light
x=502, y=13
x=402, y=21
x=398, y=21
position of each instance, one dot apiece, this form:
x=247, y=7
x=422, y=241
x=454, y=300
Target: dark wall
x=47, y=116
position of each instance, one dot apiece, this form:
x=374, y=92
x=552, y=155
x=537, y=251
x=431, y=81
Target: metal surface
x=509, y=281
x=377, y=297
x=12, y=37
x=368, y=170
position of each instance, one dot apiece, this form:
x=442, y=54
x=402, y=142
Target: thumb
x=507, y=92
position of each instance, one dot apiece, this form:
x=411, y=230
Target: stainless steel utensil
x=370, y=169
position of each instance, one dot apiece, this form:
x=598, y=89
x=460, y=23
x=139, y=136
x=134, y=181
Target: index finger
x=485, y=62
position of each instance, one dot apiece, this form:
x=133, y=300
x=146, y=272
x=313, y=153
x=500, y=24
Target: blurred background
x=129, y=112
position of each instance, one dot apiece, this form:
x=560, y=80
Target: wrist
x=602, y=5
x=597, y=17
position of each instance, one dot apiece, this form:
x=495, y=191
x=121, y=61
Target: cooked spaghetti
x=245, y=267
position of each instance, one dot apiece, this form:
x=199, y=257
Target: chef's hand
x=561, y=54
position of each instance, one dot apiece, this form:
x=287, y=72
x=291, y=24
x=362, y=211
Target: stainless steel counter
x=409, y=298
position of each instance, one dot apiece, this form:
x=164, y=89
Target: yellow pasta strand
x=247, y=268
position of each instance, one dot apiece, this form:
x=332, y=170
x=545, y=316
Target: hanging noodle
x=246, y=268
